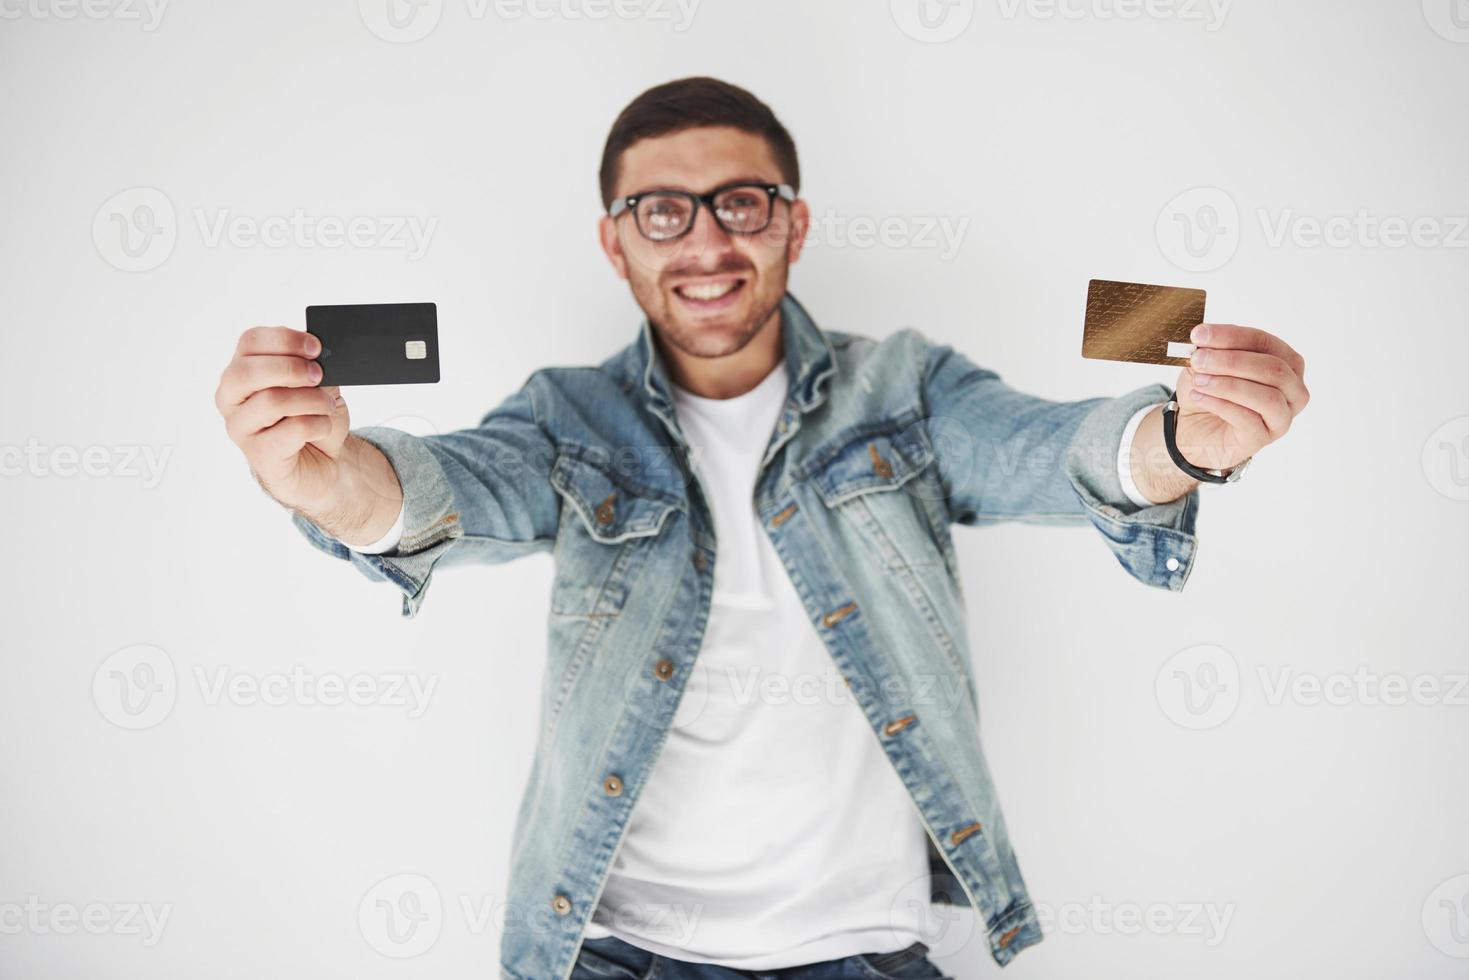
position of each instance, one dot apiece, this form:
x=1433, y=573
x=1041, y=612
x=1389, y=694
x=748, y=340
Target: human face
x=707, y=293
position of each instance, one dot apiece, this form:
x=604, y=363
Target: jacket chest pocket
x=608, y=527
x=880, y=482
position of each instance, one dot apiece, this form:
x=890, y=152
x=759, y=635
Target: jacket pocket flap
x=883, y=459
x=613, y=509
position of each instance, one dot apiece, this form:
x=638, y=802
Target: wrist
x=1152, y=467
x=364, y=499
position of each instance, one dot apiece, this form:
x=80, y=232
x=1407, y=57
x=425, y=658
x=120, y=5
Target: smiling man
x=759, y=745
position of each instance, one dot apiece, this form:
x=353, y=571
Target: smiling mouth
x=710, y=295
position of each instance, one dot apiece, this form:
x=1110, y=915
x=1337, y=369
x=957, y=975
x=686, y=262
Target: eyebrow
x=748, y=179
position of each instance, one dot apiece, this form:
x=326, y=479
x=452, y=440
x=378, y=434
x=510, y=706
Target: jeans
x=611, y=957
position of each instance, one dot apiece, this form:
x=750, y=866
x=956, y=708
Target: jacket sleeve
x=476, y=495
x=1007, y=456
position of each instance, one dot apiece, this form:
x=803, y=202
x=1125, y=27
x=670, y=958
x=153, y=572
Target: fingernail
x=1196, y=394
x=313, y=371
x=1200, y=380
x=313, y=345
x=1200, y=358
x=1200, y=334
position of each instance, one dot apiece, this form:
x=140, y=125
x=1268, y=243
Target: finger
x=1266, y=369
x=265, y=408
x=286, y=438
x=1245, y=422
x=1231, y=336
x=255, y=372
x=1266, y=402
x=278, y=340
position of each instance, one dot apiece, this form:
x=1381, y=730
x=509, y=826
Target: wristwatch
x=1170, y=439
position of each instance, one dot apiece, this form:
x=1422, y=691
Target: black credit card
x=377, y=343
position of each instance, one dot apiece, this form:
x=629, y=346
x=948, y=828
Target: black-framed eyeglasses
x=740, y=209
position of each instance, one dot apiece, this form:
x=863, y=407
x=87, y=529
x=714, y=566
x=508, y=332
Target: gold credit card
x=1131, y=321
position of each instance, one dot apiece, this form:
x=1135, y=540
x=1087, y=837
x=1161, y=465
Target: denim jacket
x=882, y=446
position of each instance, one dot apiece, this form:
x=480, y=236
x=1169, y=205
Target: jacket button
x=612, y=785
x=880, y=466
x=604, y=510
x=663, y=669
x=700, y=562
x=561, y=904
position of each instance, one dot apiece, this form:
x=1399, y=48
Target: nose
x=706, y=241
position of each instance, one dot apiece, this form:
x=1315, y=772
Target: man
x=772, y=831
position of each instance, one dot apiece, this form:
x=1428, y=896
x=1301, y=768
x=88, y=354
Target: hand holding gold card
x=1130, y=321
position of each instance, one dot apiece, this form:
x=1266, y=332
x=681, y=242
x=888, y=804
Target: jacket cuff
x=1156, y=543
x=430, y=523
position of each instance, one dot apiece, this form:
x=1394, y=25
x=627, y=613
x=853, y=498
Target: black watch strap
x=1170, y=439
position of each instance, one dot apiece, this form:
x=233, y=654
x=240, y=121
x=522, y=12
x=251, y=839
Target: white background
x=1330, y=835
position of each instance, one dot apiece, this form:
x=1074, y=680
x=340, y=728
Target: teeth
x=706, y=291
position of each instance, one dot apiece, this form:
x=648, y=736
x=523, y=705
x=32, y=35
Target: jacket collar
x=809, y=360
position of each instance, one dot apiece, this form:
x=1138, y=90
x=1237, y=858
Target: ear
x=612, y=245
x=800, y=223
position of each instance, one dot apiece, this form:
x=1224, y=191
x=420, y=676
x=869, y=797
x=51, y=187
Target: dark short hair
x=688, y=103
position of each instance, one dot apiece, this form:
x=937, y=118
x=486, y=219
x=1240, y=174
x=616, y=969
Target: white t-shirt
x=773, y=830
